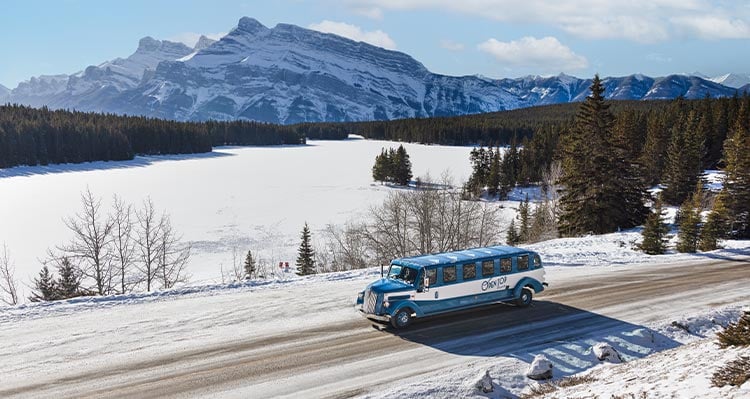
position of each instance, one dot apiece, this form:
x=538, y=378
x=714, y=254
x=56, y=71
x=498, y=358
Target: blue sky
x=495, y=38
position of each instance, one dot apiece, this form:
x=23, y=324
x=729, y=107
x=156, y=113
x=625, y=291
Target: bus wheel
x=525, y=298
x=402, y=318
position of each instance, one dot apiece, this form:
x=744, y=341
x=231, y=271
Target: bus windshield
x=407, y=274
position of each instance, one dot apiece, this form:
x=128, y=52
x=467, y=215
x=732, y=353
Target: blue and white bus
x=431, y=284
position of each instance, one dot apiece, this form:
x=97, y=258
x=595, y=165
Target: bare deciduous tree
x=8, y=284
x=435, y=219
x=173, y=256
x=147, y=240
x=91, y=243
x=123, y=243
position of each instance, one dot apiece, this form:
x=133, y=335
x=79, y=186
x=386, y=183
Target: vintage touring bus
x=431, y=284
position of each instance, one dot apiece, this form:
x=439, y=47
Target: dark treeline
x=30, y=136
x=490, y=129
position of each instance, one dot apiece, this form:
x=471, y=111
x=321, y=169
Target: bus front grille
x=370, y=302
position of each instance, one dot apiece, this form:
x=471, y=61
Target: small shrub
x=536, y=390
x=736, y=334
x=735, y=373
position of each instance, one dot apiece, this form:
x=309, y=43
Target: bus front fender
x=406, y=304
x=527, y=282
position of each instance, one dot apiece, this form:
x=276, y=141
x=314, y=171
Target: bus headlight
x=361, y=295
x=386, y=304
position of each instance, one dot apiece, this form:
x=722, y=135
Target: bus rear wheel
x=402, y=318
x=525, y=298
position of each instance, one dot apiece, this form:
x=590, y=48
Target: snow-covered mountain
x=289, y=74
x=4, y=93
x=93, y=88
x=735, y=80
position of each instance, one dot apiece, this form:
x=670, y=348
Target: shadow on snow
x=138, y=162
x=564, y=334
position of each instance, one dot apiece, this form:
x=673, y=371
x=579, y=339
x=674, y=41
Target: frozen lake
x=235, y=197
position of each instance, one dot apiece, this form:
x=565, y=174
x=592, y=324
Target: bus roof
x=466, y=255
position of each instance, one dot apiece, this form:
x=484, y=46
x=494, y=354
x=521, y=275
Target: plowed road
x=349, y=357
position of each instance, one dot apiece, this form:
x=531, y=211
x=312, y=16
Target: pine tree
x=380, y=169
x=493, y=179
x=68, y=284
x=402, y=173
x=655, y=231
x=45, y=288
x=524, y=220
x=512, y=236
x=601, y=192
x=249, y=265
x=508, y=170
x=684, y=160
x=737, y=181
x=305, y=254
x=690, y=219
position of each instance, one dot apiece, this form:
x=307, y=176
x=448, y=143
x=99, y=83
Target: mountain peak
x=250, y=25
x=203, y=42
x=148, y=43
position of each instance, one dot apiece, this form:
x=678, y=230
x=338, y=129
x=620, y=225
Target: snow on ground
x=234, y=197
x=679, y=365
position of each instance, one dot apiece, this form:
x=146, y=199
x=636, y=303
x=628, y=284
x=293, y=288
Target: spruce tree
x=684, y=160
x=690, y=219
x=655, y=231
x=524, y=220
x=305, y=254
x=402, y=167
x=249, y=265
x=601, y=192
x=512, y=236
x=68, y=284
x=493, y=179
x=380, y=169
x=45, y=288
x=737, y=181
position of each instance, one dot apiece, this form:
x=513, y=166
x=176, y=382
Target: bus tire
x=402, y=318
x=525, y=298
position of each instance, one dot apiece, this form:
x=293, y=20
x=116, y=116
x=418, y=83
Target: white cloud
x=637, y=20
x=191, y=38
x=714, y=27
x=545, y=54
x=450, y=45
x=658, y=57
x=354, y=32
x=369, y=12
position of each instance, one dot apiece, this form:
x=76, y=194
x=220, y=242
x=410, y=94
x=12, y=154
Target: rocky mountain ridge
x=288, y=74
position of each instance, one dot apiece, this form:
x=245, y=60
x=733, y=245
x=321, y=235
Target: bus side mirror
x=426, y=283
x=382, y=266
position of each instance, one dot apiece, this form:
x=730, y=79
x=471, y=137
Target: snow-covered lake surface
x=245, y=197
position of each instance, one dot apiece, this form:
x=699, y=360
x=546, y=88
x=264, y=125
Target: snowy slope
x=4, y=92
x=735, y=80
x=97, y=86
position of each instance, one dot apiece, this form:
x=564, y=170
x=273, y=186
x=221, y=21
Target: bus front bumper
x=386, y=318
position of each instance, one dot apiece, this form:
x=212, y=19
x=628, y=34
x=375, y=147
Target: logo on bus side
x=493, y=283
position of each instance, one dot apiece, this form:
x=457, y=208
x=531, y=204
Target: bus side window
x=469, y=271
x=449, y=274
x=432, y=275
x=523, y=262
x=488, y=268
x=505, y=265
x=537, y=262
